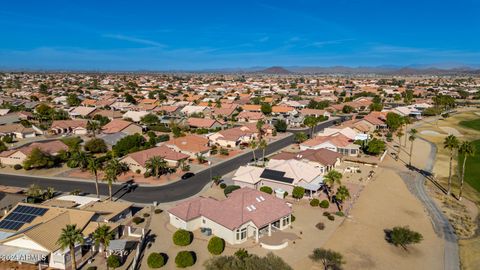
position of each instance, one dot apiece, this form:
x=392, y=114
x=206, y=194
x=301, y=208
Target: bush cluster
x=185, y=259
x=155, y=260
x=216, y=245
x=314, y=202
x=324, y=204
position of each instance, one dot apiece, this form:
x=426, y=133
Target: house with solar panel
x=29, y=232
x=282, y=176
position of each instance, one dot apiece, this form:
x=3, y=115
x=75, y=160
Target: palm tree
x=112, y=170
x=93, y=127
x=102, y=236
x=413, y=135
x=201, y=158
x=263, y=145
x=79, y=159
x=94, y=165
x=406, y=121
x=342, y=194
x=467, y=149
x=254, y=145
x=156, y=165
x=259, y=125
x=311, y=122
x=69, y=237
x=330, y=179
x=399, y=135
x=450, y=143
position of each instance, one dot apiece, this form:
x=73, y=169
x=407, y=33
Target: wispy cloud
x=323, y=43
x=136, y=40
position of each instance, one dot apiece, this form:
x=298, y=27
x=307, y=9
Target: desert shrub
x=158, y=211
x=155, y=260
x=138, y=220
x=298, y=192
x=266, y=189
x=326, y=214
x=137, y=171
x=340, y=214
x=314, y=202
x=292, y=218
x=324, y=204
x=331, y=217
x=182, y=238
x=113, y=261
x=230, y=189
x=285, y=194
x=17, y=167
x=147, y=174
x=145, y=215
x=92, y=268
x=223, y=185
x=216, y=245
x=185, y=259
x=320, y=226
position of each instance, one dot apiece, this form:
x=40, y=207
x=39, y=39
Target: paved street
x=172, y=192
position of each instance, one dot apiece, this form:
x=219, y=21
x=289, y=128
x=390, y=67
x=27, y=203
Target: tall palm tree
x=413, y=135
x=467, y=149
x=79, y=159
x=342, y=195
x=69, y=237
x=330, y=179
x=112, y=170
x=93, y=127
x=102, y=236
x=259, y=125
x=263, y=145
x=94, y=165
x=450, y=143
x=254, y=145
x=311, y=122
x=156, y=165
x=399, y=135
x=406, y=121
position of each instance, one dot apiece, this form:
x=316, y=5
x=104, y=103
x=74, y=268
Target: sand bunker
x=477, y=113
x=451, y=131
x=430, y=133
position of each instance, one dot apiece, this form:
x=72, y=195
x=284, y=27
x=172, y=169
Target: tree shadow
x=429, y=176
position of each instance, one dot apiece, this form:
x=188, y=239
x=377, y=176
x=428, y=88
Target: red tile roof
x=141, y=157
x=232, y=212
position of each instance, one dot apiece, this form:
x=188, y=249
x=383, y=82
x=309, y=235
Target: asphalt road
x=172, y=192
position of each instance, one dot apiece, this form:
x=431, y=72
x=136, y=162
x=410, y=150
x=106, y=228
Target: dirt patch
x=430, y=133
x=451, y=131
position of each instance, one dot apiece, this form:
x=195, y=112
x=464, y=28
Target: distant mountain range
x=440, y=69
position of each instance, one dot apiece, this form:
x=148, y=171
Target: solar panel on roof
x=20, y=215
x=37, y=211
x=276, y=175
x=10, y=225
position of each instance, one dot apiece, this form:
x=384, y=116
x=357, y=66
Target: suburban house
x=250, y=117
x=119, y=125
x=346, y=131
x=81, y=111
x=110, y=114
x=233, y=137
x=314, y=112
x=18, y=131
x=324, y=159
x=284, y=110
x=252, y=108
x=336, y=142
x=281, y=175
x=137, y=160
x=246, y=213
x=18, y=155
x=77, y=127
x=31, y=230
x=136, y=116
x=204, y=123
x=193, y=109
x=192, y=145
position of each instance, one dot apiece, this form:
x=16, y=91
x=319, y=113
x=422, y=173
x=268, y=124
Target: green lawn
x=473, y=124
x=472, y=168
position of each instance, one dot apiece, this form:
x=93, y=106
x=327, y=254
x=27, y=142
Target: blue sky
x=188, y=35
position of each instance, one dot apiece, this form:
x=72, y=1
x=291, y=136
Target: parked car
x=187, y=175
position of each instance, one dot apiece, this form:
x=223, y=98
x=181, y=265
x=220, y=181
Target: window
x=284, y=221
x=241, y=234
